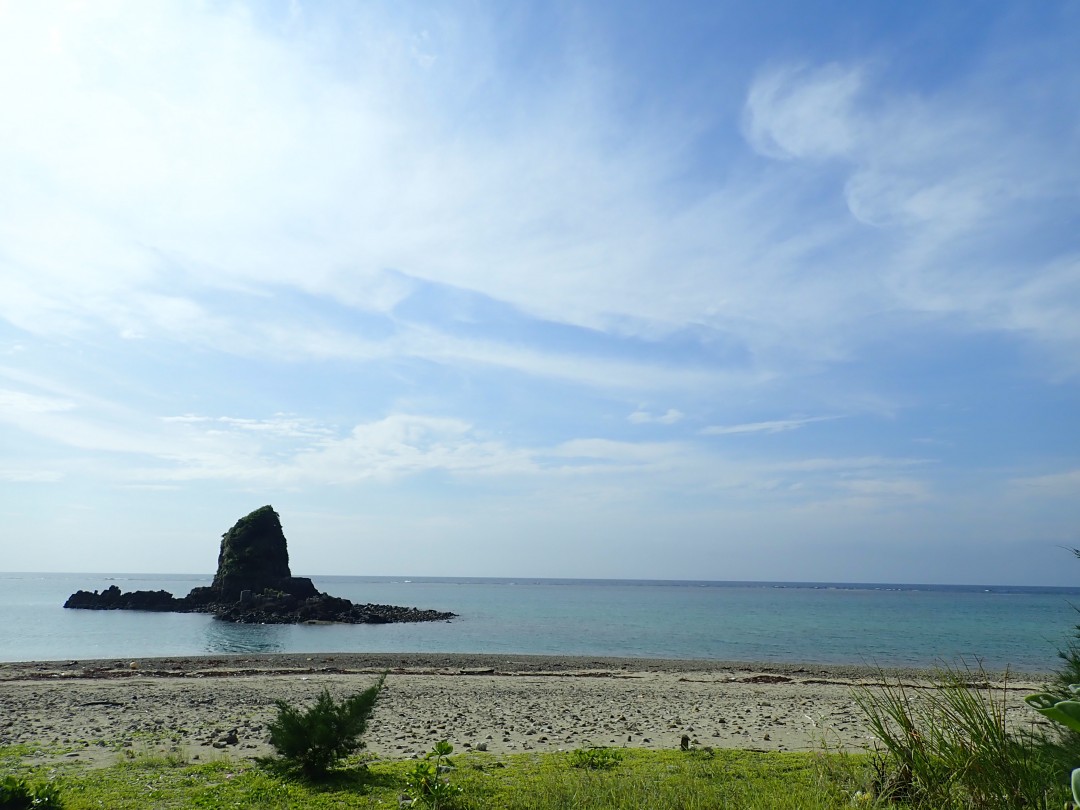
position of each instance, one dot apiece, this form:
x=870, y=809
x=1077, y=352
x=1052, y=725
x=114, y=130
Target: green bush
x=18, y=794
x=315, y=740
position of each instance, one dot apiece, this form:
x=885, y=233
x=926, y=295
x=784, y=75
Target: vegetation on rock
x=253, y=552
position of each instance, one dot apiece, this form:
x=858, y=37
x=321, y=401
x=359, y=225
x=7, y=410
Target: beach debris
x=767, y=679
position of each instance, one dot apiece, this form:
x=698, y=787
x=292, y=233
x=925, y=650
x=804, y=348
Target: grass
x=653, y=779
x=955, y=746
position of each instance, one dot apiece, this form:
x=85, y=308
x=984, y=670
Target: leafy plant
x=315, y=740
x=18, y=794
x=1065, y=713
x=427, y=781
x=596, y=758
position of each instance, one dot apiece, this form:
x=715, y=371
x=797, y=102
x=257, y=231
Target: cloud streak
x=774, y=426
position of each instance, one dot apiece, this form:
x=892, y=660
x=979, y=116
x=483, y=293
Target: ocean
x=828, y=623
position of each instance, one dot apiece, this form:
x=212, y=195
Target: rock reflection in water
x=226, y=637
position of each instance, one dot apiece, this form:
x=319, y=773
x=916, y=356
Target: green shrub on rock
x=315, y=740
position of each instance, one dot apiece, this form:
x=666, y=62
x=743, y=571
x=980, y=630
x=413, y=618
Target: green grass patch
x=11, y=756
x=654, y=779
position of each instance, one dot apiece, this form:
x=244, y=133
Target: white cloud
x=280, y=425
x=803, y=113
x=27, y=476
x=669, y=417
x=774, y=426
x=14, y=403
x=403, y=445
x=295, y=452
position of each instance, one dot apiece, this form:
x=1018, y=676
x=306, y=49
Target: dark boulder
x=112, y=598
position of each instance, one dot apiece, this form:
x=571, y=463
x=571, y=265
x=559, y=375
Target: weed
x=949, y=746
x=427, y=781
x=597, y=758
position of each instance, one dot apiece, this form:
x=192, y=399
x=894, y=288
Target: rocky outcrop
x=324, y=609
x=254, y=556
x=254, y=585
x=112, y=598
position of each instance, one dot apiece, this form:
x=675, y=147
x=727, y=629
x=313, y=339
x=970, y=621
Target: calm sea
x=886, y=625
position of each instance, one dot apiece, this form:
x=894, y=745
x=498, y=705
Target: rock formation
x=254, y=585
x=253, y=563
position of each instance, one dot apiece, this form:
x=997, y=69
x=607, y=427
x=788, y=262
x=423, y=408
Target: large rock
x=254, y=555
x=254, y=585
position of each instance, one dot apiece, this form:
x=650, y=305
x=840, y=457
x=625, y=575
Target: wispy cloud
x=803, y=112
x=774, y=426
x=21, y=402
x=283, y=425
x=24, y=476
x=669, y=417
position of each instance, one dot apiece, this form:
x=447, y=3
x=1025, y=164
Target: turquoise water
x=887, y=625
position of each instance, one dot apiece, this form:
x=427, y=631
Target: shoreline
x=240, y=664
x=205, y=707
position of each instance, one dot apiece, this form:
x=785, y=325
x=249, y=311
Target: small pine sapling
x=315, y=740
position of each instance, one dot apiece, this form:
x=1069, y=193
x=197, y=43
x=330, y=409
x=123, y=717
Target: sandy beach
x=97, y=711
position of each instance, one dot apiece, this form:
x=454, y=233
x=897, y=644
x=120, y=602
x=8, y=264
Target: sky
x=681, y=290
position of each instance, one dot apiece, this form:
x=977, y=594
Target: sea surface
x=873, y=624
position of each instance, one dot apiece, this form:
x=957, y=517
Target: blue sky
x=772, y=291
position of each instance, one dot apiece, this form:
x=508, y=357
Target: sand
x=96, y=712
